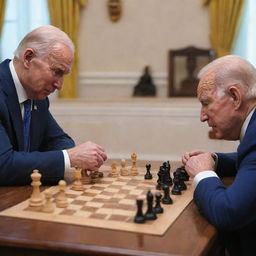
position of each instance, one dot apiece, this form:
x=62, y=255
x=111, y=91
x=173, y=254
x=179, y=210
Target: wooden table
x=190, y=235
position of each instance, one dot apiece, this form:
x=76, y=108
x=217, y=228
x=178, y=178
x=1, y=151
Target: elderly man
x=30, y=138
x=227, y=92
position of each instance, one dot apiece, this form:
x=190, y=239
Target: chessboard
x=109, y=203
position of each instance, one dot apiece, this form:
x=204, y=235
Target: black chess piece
x=158, y=208
x=150, y=214
x=166, y=199
x=148, y=175
x=139, y=218
x=176, y=189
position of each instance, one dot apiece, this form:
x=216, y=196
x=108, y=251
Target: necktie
x=26, y=123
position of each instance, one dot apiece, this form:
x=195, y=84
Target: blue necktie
x=26, y=123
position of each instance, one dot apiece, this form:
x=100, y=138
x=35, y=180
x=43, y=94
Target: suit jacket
x=47, y=139
x=233, y=209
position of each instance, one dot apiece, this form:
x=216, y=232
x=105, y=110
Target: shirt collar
x=22, y=96
x=245, y=124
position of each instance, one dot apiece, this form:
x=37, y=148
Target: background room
x=112, y=56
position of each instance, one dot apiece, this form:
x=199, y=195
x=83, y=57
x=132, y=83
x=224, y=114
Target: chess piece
x=61, y=199
x=78, y=185
x=114, y=172
x=36, y=199
x=176, y=189
x=123, y=170
x=148, y=175
x=158, y=208
x=150, y=214
x=139, y=218
x=166, y=199
x=86, y=178
x=48, y=206
x=134, y=170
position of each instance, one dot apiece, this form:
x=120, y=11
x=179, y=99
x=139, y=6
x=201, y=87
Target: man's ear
x=236, y=96
x=28, y=56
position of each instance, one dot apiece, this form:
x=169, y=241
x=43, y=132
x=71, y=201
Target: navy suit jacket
x=47, y=139
x=233, y=209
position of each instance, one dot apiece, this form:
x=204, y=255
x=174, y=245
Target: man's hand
x=199, y=163
x=187, y=155
x=88, y=155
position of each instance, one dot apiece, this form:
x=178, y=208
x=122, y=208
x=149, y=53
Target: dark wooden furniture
x=183, y=65
x=190, y=235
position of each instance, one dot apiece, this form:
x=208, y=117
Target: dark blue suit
x=233, y=209
x=47, y=139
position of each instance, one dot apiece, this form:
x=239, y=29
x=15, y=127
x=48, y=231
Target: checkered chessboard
x=110, y=203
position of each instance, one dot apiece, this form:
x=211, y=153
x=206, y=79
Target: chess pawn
x=134, y=170
x=78, y=185
x=61, y=199
x=36, y=199
x=123, y=169
x=48, y=206
x=114, y=172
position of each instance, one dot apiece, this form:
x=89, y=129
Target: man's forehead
x=207, y=83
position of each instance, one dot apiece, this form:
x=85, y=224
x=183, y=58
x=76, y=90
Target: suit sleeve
x=226, y=164
x=230, y=208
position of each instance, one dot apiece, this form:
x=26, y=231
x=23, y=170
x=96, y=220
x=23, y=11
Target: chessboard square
x=102, y=196
x=107, y=193
x=74, y=206
x=127, y=201
x=94, y=191
x=120, y=206
x=94, y=204
x=98, y=216
x=111, y=190
x=119, y=196
x=122, y=212
x=106, y=211
x=78, y=202
x=89, y=194
x=89, y=208
x=68, y=212
x=83, y=198
x=82, y=214
x=136, y=192
x=124, y=191
x=128, y=187
x=96, y=187
x=119, y=183
x=115, y=186
x=132, y=197
x=116, y=217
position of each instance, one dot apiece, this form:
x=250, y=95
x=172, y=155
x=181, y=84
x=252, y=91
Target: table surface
x=190, y=234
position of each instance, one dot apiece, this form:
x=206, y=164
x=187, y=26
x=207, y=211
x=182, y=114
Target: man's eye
x=57, y=72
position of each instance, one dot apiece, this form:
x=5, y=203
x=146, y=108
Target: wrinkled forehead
x=206, y=84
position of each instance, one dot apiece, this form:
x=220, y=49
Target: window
x=245, y=45
x=21, y=16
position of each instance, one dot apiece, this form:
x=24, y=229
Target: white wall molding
x=111, y=85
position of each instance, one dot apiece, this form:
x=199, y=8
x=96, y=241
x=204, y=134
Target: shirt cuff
x=203, y=175
x=68, y=172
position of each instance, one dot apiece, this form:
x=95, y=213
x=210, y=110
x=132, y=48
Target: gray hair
x=232, y=70
x=43, y=40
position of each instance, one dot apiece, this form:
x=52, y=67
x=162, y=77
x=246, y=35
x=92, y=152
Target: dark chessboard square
x=71, y=195
x=89, y=194
x=97, y=187
x=124, y=191
x=118, y=217
x=107, y=193
x=99, y=200
x=115, y=186
x=67, y=212
x=89, y=209
x=78, y=202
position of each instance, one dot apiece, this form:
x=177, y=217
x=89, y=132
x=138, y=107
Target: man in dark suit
x=227, y=92
x=30, y=138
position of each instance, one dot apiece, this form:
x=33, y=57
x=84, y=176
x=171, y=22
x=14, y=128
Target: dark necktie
x=26, y=123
